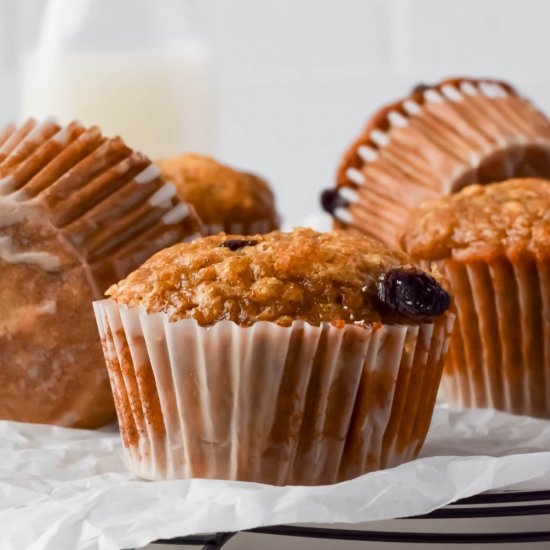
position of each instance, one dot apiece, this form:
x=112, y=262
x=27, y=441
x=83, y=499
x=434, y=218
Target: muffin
x=434, y=142
x=78, y=211
x=493, y=244
x=287, y=358
x=225, y=199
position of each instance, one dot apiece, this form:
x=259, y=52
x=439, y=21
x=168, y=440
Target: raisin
x=237, y=244
x=331, y=200
x=412, y=293
x=419, y=88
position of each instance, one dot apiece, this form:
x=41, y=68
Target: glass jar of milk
x=136, y=68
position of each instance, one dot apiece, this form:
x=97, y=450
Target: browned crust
x=482, y=222
x=225, y=198
x=279, y=277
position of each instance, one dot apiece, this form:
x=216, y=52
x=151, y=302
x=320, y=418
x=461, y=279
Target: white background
x=298, y=78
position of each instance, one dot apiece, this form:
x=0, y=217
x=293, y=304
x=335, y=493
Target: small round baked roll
x=78, y=211
x=304, y=358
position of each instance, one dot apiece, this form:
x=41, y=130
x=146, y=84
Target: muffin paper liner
x=6, y=133
x=299, y=405
x=500, y=349
x=434, y=142
x=108, y=201
x=78, y=212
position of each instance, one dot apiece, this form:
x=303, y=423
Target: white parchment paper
x=63, y=488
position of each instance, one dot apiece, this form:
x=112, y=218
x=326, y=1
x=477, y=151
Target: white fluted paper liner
x=500, y=349
x=299, y=405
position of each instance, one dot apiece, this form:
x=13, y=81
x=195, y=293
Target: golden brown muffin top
x=220, y=194
x=315, y=277
x=482, y=222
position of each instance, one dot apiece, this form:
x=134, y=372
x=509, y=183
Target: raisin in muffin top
x=483, y=222
x=222, y=195
x=281, y=277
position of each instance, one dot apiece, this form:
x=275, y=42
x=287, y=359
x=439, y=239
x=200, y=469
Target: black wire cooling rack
x=488, y=505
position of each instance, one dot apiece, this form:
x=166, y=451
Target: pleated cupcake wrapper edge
x=459, y=124
x=500, y=350
x=106, y=200
x=282, y=405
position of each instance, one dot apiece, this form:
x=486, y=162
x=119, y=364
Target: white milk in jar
x=161, y=104
x=157, y=91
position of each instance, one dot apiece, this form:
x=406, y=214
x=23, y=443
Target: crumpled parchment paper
x=62, y=488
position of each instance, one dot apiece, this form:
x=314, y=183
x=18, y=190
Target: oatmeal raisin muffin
x=226, y=199
x=493, y=244
x=302, y=357
x=434, y=142
x=78, y=211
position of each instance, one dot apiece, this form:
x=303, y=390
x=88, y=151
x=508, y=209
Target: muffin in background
x=434, y=142
x=226, y=199
x=493, y=245
x=78, y=211
x=288, y=358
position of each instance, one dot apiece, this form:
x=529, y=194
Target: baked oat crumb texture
x=226, y=199
x=483, y=222
x=279, y=277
